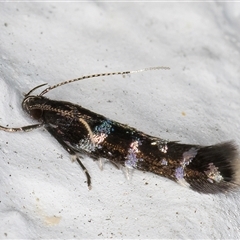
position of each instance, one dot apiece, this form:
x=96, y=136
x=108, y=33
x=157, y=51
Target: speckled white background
x=43, y=194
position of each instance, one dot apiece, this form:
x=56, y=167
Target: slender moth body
x=206, y=169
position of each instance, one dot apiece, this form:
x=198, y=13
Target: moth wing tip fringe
x=216, y=169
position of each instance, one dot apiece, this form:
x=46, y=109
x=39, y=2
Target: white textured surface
x=43, y=194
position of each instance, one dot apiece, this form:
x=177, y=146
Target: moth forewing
x=210, y=169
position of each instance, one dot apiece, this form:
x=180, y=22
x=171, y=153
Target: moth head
x=32, y=106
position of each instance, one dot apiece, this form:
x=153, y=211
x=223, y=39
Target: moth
x=206, y=169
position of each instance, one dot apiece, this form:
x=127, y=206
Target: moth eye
x=36, y=113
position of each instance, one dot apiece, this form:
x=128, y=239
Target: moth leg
x=127, y=172
x=117, y=165
x=74, y=156
x=21, y=129
x=101, y=162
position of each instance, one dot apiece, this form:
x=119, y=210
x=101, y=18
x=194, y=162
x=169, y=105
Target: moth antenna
x=32, y=90
x=27, y=128
x=99, y=75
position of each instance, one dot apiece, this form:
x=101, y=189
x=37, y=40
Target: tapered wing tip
x=215, y=169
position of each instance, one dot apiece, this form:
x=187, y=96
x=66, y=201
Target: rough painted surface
x=42, y=193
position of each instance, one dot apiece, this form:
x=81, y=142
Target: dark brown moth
x=206, y=169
